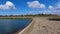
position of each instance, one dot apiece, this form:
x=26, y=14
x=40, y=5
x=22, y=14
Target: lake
x=10, y=26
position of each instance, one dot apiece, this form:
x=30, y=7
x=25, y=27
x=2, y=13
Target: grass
x=16, y=18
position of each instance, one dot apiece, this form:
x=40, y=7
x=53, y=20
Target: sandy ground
x=41, y=25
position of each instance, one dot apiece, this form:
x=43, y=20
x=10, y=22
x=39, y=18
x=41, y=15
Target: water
x=10, y=26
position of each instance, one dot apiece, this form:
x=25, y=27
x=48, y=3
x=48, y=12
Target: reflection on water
x=9, y=26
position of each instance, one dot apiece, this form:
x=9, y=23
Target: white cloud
x=42, y=6
x=35, y=4
x=7, y=6
x=51, y=7
x=58, y=6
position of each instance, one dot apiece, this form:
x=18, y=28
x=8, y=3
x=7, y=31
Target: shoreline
x=35, y=27
x=39, y=25
x=26, y=28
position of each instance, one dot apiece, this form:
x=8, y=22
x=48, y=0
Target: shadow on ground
x=54, y=19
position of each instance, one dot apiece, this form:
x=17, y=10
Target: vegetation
x=28, y=15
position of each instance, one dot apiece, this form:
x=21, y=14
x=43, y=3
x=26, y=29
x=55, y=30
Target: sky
x=22, y=7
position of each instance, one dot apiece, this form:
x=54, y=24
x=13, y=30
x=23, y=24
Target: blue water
x=10, y=26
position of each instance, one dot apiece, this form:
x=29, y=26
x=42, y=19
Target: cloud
x=51, y=7
x=54, y=10
x=58, y=6
x=35, y=4
x=7, y=6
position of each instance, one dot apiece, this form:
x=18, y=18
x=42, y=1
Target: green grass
x=17, y=18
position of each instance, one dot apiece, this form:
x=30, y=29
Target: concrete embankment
x=27, y=29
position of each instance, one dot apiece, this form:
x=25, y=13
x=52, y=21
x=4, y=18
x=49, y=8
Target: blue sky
x=26, y=7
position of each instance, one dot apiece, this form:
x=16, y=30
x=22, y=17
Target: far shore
x=26, y=16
